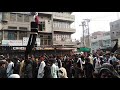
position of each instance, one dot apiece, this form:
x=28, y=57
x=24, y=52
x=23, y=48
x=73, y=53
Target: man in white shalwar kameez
x=41, y=70
x=54, y=69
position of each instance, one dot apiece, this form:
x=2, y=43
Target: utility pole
x=85, y=26
x=88, y=32
x=83, y=33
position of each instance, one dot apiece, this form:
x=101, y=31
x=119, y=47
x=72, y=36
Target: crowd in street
x=55, y=66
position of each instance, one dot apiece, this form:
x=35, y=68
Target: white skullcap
x=14, y=76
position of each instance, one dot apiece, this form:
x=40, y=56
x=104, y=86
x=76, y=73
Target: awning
x=65, y=48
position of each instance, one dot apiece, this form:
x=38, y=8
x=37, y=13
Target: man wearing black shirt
x=88, y=69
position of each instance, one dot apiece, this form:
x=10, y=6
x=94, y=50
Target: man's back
x=28, y=71
x=10, y=68
x=54, y=70
x=41, y=70
x=88, y=70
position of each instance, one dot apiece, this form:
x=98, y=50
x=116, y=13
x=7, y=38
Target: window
x=26, y=18
x=12, y=17
x=41, y=36
x=49, y=37
x=49, y=42
x=53, y=24
x=41, y=41
x=42, y=26
x=19, y=17
x=6, y=35
x=112, y=26
x=12, y=35
x=46, y=39
x=45, y=42
x=22, y=34
x=57, y=24
x=1, y=36
x=117, y=33
x=23, y=28
x=45, y=36
x=63, y=25
x=10, y=27
x=68, y=25
x=117, y=25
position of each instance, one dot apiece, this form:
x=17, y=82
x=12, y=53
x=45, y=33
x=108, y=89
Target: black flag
x=115, y=47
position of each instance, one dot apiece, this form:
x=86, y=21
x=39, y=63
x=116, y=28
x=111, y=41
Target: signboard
x=11, y=42
x=25, y=41
x=18, y=48
x=118, y=42
x=82, y=49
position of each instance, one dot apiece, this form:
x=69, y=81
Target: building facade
x=54, y=36
x=100, y=40
x=115, y=31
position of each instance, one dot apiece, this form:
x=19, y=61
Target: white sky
x=99, y=21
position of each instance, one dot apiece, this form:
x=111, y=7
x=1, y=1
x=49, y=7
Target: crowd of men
x=67, y=66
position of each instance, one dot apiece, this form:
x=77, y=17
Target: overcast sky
x=99, y=21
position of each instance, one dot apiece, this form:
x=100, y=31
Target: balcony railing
x=64, y=30
x=46, y=13
x=63, y=43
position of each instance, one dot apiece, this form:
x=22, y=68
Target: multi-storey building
x=100, y=40
x=115, y=31
x=55, y=34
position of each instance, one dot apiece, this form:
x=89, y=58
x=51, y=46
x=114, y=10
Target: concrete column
x=18, y=35
x=3, y=34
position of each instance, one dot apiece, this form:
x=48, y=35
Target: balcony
x=69, y=30
x=70, y=18
x=17, y=25
x=46, y=13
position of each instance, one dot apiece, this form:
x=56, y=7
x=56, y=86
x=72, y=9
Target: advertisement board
x=82, y=49
x=11, y=42
x=25, y=41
